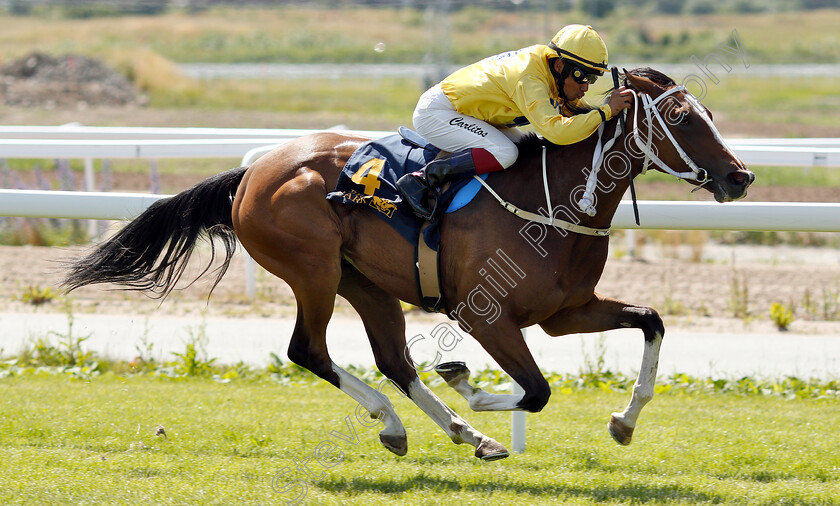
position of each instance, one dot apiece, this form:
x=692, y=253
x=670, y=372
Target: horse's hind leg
x=306, y=253
x=308, y=349
x=385, y=326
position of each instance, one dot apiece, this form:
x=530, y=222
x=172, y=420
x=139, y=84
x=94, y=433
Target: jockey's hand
x=619, y=100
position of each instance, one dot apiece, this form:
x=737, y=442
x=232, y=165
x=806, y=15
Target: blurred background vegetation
x=312, y=31
x=148, y=41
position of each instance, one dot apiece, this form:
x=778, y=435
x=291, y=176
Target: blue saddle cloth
x=369, y=179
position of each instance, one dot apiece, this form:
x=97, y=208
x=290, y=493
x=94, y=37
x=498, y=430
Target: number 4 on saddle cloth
x=369, y=179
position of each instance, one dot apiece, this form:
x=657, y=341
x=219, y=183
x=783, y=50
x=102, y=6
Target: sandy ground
x=690, y=295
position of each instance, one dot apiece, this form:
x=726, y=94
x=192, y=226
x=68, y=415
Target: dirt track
x=688, y=294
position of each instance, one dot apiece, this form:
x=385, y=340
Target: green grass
x=93, y=442
x=305, y=34
x=138, y=47
x=811, y=101
x=788, y=105
x=385, y=99
x=796, y=176
x=781, y=37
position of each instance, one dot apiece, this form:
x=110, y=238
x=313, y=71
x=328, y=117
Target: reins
x=587, y=202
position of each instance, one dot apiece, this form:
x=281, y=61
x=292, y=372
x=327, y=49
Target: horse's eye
x=682, y=118
x=678, y=116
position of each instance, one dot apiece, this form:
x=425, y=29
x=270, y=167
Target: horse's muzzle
x=735, y=185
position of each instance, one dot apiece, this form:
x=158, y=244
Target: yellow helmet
x=582, y=45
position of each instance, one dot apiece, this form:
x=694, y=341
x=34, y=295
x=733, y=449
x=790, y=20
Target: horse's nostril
x=741, y=178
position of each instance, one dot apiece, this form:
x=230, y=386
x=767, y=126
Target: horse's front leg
x=601, y=314
x=504, y=342
x=457, y=376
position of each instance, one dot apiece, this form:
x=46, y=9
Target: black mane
x=654, y=75
x=529, y=142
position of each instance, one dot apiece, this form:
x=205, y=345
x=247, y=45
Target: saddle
x=369, y=179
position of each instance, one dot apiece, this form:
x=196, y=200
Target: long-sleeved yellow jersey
x=515, y=89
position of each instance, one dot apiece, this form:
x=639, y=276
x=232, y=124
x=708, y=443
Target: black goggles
x=581, y=77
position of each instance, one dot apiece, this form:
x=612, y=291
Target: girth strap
x=545, y=220
x=428, y=277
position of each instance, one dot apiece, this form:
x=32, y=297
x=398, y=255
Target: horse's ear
x=643, y=84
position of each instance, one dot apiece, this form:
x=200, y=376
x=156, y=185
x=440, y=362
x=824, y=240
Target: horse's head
x=676, y=133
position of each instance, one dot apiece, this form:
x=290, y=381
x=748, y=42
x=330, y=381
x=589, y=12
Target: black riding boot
x=420, y=189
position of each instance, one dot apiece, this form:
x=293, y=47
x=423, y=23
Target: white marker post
x=517, y=422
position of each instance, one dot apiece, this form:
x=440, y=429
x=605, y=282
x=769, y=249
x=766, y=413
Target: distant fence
x=88, y=143
x=137, y=142
x=662, y=215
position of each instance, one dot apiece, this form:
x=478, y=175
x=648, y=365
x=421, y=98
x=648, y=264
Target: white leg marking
x=482, y=401
x=458, y=430
x=643, y=389
x=375, y=402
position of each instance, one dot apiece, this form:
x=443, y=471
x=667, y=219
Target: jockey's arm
x=531, y=96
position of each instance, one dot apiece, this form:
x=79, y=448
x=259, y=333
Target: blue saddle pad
x=465, y=193
x=369, y=179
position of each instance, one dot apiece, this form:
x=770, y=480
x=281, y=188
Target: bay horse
x=277, y=209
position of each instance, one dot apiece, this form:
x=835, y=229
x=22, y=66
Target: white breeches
x=439, y=123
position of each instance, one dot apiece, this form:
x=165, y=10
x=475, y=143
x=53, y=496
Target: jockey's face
x=571, y=88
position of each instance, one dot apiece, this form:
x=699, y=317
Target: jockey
x=472, y=114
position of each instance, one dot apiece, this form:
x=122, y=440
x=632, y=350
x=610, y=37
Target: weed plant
x=37, y=296
x=739, y=296
x=781, y=315
x=826, y=307
x=62, y=351
x=67, y=358
x=194, y=360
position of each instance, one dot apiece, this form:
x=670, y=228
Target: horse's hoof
x=395, y=444
x=453, y=371
x=621, y=432
x=490, y=449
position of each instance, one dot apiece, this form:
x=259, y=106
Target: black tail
x=151, y=253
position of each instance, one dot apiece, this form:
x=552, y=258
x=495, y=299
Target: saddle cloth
x=369, y=179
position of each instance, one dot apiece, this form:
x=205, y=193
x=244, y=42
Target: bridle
x=649, y=107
